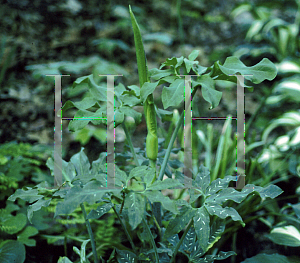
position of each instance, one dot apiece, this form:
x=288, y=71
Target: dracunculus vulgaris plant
x=157, y=219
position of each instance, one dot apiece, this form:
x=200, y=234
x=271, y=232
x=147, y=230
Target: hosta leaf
x=286, y=236
x=26, y=233
x=135, y=203
x=13, y=224
x=202, y=227
x=173, y=95
x=100, y=211
x=125, y=256
x=268, y=258
x=179, y=222
x=167, y=203
x=12, y=251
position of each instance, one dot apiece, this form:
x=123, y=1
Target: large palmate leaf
x=179, y=222
x=135, y=203
x=263, y=70
x=92, y=192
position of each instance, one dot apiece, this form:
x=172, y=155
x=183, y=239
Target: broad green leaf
x=290, y=88
x=149, y=176
x=119, y=117
x=141, y=172
x=100, y=211
x=147, y=89
x=263, y=70
x=224, y=212
x=173, y=95
x=296, y=208
x=119, y=90
x=202, y=179
x=271, y=191
x=199, y=69
x=208, y=90
x=30, y=195
x=37, y=206
x=129, y=98
x=210, y=259
x=84, y=104
x=91, y=193
x=285, y=236
x=81, y=163
x=136, y=89
x=216, y=232
x=287, y=119
x=268, y=258
x=202, y=227
x=125, y=256
x=193, y=55
x=179, y=222
x=135, y=203
x=189, y=240
x=173, y=62
x=157, y=74
x=26, y=233
x=98, y=92
x=165, y=184
x=64, y=260
x=228, y=194
x=189, y=64
x=128, y=111
x=12, y=251
x=68, y=169
x=121, y=177
x=167, y=203
x=83, y=117
x=219, y=184
x=13, y=224
x=197, y=252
